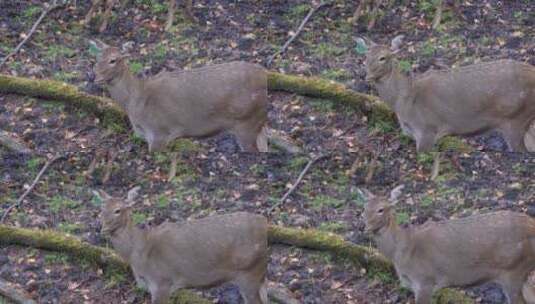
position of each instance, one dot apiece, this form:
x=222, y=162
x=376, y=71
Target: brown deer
x=195, y=254
x=470, y=100
x=198, y=103
x=109, y=4
x=494, y=247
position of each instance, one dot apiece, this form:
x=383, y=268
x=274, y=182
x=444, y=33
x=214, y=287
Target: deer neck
x=125, y=88
x=388, y=237
x=127, y=240
x=393, y=86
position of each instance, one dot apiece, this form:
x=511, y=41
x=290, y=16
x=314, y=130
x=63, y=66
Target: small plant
x=58, y=203
x=405, y=66
x=33, y=164
x=163, y=201
x=136, y=67
x=70, y=228
x=138, y=218
x=31, y=11
x=335, y=227
x=336, y=74
x=402, y=218
x=322, y=201
x=56, y=258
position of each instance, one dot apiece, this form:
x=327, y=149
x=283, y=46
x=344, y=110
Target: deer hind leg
x=253, y=288
x=512, y=287
x=514, y=136
x=251, y=137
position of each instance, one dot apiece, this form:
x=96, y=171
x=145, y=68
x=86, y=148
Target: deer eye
x=117, y=211
x=112, y=61
x=382, y=59
x=380, y=210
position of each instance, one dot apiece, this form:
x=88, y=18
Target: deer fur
x=195, y=254
x=494, y=247
x=109, y=4
x=198, y=103
x=497, y=95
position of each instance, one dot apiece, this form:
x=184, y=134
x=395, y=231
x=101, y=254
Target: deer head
x=111, y=62
x=378, y=210
x=380, y=59
x=116, y=213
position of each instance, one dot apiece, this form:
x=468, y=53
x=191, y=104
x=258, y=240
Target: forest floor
x=211, y=177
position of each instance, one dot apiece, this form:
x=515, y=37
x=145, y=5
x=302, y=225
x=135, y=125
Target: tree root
x=108, y=112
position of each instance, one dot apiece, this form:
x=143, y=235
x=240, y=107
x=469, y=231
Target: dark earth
x=211, y=176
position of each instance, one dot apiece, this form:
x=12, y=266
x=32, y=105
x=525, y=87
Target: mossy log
x=102, y=257
x=363, y=257
x=108, y=112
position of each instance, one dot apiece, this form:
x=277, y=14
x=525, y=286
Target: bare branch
x=34, y=183
x=52, y=6
x=299, y=29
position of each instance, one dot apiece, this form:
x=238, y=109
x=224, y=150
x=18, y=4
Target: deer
x=470, y=100
x=109, y=4
x=201, y=253
x=197, y=103
x=494, y=247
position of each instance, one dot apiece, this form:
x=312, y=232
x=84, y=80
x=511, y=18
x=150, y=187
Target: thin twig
x=299, y=178
x=46, y=10
x=12, y=143
x=299, y=29
x=436, y=166
x=34, y=183
x=14, y=293
x=371, y=169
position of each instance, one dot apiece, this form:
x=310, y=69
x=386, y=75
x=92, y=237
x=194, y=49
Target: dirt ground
x=212, y=177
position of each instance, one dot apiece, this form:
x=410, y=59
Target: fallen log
x=109, y=112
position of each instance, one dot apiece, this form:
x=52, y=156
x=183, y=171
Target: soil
x=212, y=177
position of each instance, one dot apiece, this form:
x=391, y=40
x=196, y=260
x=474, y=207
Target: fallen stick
x=14, y=293
x=436, y=166
x=299, y=29
x=52, y=6
x=34, y=183
x=299, y=178
x=12, y=143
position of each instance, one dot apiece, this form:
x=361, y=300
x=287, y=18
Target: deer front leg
x=160, y=293
x=423, y=294
x=425, y=142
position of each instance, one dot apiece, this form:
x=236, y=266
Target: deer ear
x=366, y=194
x=132, y=194
x=395, y=194
x=396, y=43
x=361, y=47
x=101, y=194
